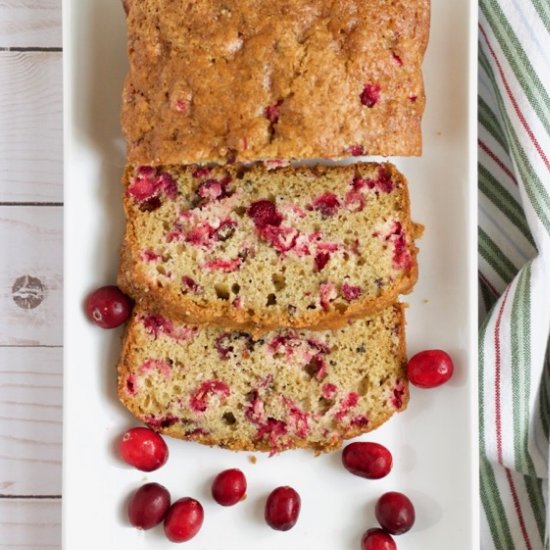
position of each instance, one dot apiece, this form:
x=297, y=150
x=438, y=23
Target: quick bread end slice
x=225, y=80
x=288, y=389
x=291, y=247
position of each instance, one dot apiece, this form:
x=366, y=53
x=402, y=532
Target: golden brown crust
x=217, y=315
x=124, y=368
x=169, y=301
x=204, y=74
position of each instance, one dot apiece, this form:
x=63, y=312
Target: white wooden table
x=31, y=212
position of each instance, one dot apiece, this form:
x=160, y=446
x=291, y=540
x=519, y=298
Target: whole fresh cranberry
x=395, y=512
x=377, y=539
x=282, y=508
x=229, y=487
x=148, y=505
x=430, y=368
x=108, y=307
x=184, y=520
x=366, y=459
x=143, y=448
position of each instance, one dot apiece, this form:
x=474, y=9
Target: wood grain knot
x=28, y=292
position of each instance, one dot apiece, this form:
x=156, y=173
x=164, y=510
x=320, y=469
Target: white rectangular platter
x=434, y=443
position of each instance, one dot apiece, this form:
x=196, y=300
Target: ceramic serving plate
x=434, y=443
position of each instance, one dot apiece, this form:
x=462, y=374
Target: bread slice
x=225, y=80
x=292, y=247
x=286, y=389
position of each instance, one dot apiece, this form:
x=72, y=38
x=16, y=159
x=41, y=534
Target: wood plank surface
x=31, y=133
x=32, y=524
x=30, y=421
x=31, y=275
x=30, y=23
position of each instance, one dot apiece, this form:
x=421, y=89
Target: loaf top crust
x=246, y=80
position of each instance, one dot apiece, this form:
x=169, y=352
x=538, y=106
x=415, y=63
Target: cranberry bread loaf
x=291, y=247
x=287, y=389
x=225, y=80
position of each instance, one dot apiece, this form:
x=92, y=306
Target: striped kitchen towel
x=514, y=272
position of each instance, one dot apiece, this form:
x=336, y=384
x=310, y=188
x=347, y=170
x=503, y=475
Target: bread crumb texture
x=226, y=80
x=290, y=247
x=289, y=388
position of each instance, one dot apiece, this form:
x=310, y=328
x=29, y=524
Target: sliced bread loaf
x=291, y=247
x=286, y=389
